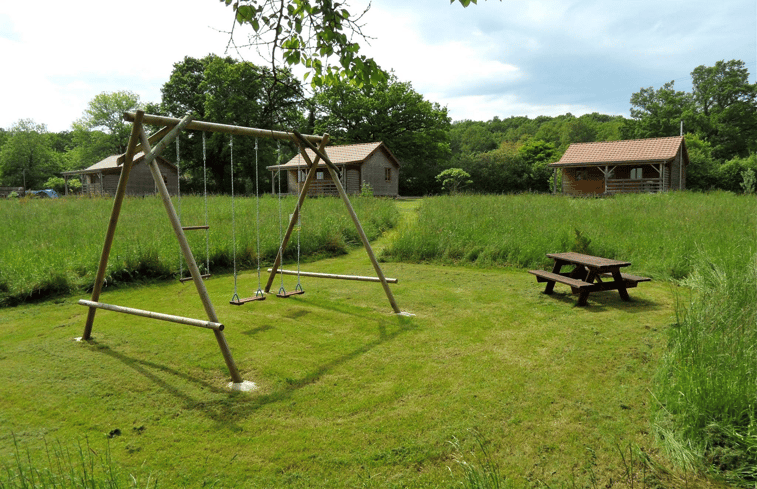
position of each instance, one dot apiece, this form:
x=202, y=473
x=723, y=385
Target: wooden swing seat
x=247, y=299
x=285, y=295
x=187, y=279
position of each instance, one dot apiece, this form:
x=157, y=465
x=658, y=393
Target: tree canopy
x=721, y=109
x=227, y=91
x=27, y=158
x=416, y=130
x=104, y=113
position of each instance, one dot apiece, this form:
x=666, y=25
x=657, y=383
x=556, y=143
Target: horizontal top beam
x=159, y=120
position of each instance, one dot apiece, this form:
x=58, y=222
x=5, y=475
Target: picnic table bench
x=587, y=275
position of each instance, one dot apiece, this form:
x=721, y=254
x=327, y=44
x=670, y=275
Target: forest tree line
x=718, y=116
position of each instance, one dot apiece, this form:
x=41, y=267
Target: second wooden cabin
x=370, y=163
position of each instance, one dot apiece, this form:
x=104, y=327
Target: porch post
x=554, y=183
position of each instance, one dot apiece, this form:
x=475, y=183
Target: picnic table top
x=588, y=260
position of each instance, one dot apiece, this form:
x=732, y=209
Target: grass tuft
x=59, y=467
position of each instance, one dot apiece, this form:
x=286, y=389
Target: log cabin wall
x=583, y=181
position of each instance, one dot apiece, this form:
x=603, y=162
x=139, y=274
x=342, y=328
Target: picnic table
x=590, y=274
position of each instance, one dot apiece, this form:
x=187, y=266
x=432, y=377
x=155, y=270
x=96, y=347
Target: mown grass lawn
x=349, y=394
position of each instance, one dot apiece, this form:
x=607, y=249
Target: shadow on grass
x=143, y=367
x=232, y=405
x=247, y=404
x=602, y=301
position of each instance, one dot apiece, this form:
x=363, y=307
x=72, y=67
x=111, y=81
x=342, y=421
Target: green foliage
x=454, y=179
x=58, y=184
x=105, y=113
x=730, y=175
x=27, y=157
x=415, y=130
x=701, y=174
x=480, y=471
x=366, y=190
x=749, y=181
x=581, y=244
x=503, y=170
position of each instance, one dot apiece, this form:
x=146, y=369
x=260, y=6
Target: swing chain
x=178, y=198
x=205, y=194
x=258, y=292
x=281, y=240
x=233, y=219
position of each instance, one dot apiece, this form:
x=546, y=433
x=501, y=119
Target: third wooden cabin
x=630, y=166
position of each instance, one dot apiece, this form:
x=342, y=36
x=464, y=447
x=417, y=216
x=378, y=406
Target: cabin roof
x=111, y=164
x=634, y=151
x=340, y=155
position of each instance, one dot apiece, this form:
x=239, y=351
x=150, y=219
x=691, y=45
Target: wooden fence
x=627, y=186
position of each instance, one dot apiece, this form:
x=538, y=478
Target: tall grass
x=659, y=233
x=52, y=247
x=707, y=384
x=83, y=466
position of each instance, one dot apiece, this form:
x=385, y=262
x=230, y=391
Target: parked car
x=45, y=194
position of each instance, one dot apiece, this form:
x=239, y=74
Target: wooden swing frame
x=171, y=128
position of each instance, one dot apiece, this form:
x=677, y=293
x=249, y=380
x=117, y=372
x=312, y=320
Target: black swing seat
x=247, y=299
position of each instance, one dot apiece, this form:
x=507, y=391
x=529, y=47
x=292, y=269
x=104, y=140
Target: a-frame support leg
x=366, y=243
x=183, y=243
x=118, y=200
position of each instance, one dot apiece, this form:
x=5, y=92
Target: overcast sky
x=502, y=59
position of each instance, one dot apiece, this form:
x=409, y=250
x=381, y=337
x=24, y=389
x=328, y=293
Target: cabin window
x=301, y=174
x=636, y=174
x=319, y=175
x=388, y=174
x=582, y=174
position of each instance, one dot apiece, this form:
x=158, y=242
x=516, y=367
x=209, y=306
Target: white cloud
x=496, y=58
x=68, y=52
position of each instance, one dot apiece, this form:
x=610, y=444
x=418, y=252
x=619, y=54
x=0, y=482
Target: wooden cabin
x=631, y=166
x=102, y=177
x=369, y=163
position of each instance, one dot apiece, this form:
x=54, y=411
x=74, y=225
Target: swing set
x=171, y=128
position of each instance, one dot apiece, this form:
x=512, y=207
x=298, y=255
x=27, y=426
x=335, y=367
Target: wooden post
x=158, y=120
x=358, y=278
x=183, y=244
x=153, y=315
x=364, y=239
x=313, y=168
x=118, y=199
x=554, y=183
